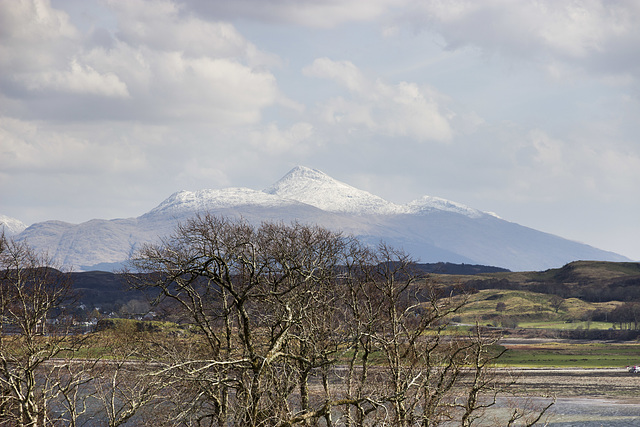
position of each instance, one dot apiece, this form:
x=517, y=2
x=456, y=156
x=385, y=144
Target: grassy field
x=571, y=355
x=566, y=325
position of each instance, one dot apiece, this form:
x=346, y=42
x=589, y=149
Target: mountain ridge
x=431, y=229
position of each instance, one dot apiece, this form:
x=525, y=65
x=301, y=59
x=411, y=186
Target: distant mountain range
x=430, y=229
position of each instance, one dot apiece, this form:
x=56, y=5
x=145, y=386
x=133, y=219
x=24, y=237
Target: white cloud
x=34, y=35
x=79, y=79
x=343, y=72
x=273, y=140
x=537, y=167
x=404, y=109
x=163, y=64
x=578, y=29
x=215, y=90
x=548, y=152
x=29, y=147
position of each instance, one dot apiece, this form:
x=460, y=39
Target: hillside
x=510, y=308
x=594, y=281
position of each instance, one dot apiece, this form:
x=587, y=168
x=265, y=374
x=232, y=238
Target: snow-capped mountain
x=431, y=229
x=11, y=226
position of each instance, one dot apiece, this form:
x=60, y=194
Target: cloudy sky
x=529, y=109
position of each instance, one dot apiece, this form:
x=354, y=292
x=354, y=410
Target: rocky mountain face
x=430, y=229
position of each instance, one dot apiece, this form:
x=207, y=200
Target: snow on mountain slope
x=430, y=229
x=80, y=246
x=11, y=226
x=315, y=188
x=431, y=204
x=204, y=200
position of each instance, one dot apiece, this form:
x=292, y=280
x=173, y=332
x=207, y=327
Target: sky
x=529, y=109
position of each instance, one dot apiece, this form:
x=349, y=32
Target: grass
x=563, y=355
x=566, y=325
x=535, y=355
x=605, y=270
x=555, y=355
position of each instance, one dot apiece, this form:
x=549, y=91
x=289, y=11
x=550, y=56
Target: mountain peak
x=303, y=172
x=11, y=226
x=318, y=189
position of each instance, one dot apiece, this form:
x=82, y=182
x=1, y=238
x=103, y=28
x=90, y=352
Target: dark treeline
x=457, y=269
x=110, y=290
x=586, y=334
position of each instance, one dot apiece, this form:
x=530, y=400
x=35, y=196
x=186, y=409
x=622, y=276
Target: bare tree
x=417, y=375
x=123, y=387
x=556, y=302
x=33, y=331
x=293, y=324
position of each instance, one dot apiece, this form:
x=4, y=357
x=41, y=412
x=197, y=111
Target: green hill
x=593, y=281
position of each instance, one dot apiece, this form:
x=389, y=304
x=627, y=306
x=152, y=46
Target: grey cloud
x=594, y=35
x=165, y=26
x=307, y=13
x=100, y=38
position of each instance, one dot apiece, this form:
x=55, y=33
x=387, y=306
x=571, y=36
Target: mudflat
x=599, y=397
x=610, y=383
